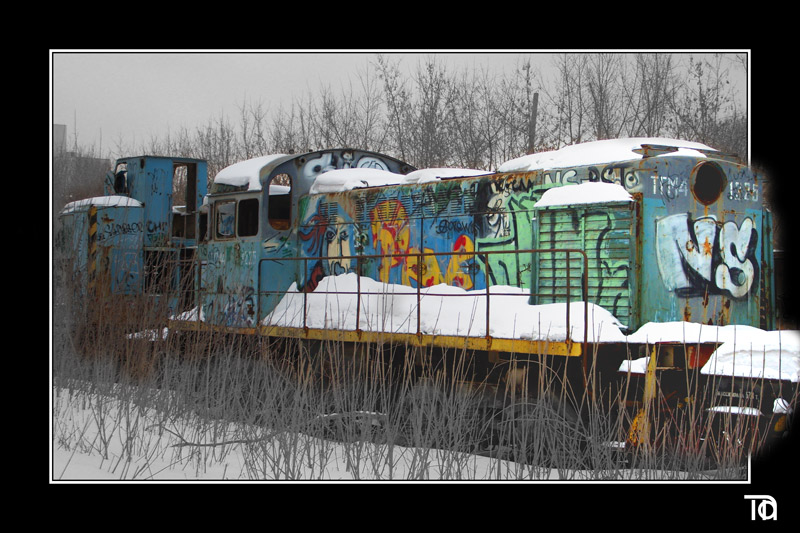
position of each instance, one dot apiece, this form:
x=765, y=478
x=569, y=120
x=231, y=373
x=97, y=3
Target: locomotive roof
x=247, y=174
x=353, y=178
x=101, y=201
x=607, y=151
x=584, y=193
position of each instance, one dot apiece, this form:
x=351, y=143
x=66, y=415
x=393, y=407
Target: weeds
x=189, y=405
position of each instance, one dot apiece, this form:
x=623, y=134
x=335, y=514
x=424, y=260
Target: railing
x=420, y=256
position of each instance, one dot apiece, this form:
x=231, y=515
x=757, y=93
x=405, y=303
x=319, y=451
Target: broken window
x=224, y=219
x=280, y=202
x=247, y=223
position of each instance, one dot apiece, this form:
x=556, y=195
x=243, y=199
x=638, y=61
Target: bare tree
x=649, y=93
x=398, y=103
x=569, y=98
x=605, y=109
x=252, y=118
x=469, y=119
x=477, y=118
x=705, y=101
x=520, y=110
x=372, y=127
x=429, y=134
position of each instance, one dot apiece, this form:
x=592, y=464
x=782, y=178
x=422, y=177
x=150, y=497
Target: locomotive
x=561, y=256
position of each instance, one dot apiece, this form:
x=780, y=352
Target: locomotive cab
x=141, y=236
x=252, y=209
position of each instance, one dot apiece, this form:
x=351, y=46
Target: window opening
x=247, y=222
x=224, y=219
x=280, y=202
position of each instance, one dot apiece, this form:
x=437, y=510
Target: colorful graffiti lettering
x=390, y=235
x=701, y=256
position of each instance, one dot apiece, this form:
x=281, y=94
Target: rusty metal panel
x=153, y=182
x=703, y=243
x=103, y=237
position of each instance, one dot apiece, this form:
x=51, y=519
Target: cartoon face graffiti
x=337, y=239
x=702, y=256
x=327, y=236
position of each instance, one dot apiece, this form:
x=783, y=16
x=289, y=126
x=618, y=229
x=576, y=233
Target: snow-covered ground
x=166, y=457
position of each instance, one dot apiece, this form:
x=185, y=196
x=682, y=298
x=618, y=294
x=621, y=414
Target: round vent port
x=709, y=182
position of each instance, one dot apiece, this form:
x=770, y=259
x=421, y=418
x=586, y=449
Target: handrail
x=419, y=257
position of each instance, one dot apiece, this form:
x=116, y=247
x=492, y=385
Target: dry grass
x=292, y=409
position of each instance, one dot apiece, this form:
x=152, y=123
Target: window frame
x=243, y=227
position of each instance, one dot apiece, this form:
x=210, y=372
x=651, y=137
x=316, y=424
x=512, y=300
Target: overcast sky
x=108, y=96
x=126, y=98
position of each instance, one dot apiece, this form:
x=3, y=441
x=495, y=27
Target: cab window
x=224, y=220
x=279, y=208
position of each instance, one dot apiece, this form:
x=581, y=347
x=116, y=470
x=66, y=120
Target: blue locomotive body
x=684, y=236
x=690, y=242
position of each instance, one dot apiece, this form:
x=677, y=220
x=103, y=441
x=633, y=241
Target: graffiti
x=454, y=225
x=239, y=309
x=109, y=231
x=670, y=187
x=621, y=174
x=126, y=271
x=745, y=191
x=391, y=234
x=604, y=234
x=503, y=221
x=425, y=271
x=330, y=161
x=697, y=257
x=562, y=177
x=463, y=267
x=329, y=235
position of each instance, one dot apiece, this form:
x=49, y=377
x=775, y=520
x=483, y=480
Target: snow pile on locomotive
x=443, y=310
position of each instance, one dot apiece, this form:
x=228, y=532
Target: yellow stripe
x=511, y=346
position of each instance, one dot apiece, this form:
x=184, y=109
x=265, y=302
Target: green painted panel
x=604, y=233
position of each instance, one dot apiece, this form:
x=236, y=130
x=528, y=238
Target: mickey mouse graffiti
x=702, y=256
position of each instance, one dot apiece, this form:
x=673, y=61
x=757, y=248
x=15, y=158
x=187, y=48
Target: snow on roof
x=246, y=173
x=597, y=153
x=345, y=179
x=744, y=351
x=101, y=201
x=584, y=193
x=393, y=308
x=426, y=175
